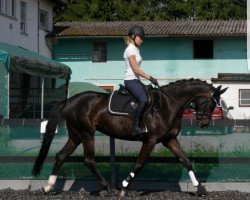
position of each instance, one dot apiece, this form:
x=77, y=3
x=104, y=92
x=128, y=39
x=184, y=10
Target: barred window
x=100, y=52
x=23, y=17
x=203, y=49
x=43, y=19
x=244, y=97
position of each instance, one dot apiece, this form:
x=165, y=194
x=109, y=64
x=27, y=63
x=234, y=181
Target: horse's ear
x=217, y=91
x=224, y=90
x=219, y=87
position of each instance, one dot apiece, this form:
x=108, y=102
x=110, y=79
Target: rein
x=157, y=85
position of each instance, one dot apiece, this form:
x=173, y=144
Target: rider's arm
x=136, y=69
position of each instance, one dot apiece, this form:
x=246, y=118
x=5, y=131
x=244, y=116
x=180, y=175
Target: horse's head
x=205, y=105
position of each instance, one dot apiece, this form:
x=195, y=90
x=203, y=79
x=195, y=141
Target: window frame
x=23, y=22
x=1, y=6
x=8, y=8
x=197, y=45
x=99, y=54
x=108, y=88
x=45, y=13
x=240, y=98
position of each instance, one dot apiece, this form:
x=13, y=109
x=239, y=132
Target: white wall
x=10, y=27
x=231, y=97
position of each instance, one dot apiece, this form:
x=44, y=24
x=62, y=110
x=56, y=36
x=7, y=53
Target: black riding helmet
x=136, y=31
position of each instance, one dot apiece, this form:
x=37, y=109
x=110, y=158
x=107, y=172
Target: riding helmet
x=136, y=31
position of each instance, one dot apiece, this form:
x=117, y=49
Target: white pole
x=42, y=97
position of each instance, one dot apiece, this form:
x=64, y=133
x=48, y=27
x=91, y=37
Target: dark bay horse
x=87, y=112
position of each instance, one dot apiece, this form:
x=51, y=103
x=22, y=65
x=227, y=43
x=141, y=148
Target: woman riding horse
x=87, y=112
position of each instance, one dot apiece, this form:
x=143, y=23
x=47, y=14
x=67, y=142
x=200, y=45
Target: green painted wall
x=167, y=59
x=3, y=90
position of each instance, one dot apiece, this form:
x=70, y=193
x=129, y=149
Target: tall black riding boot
x=138, y=118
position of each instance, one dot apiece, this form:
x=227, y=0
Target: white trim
x=112, y=112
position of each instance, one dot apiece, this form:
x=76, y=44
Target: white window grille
x=244, y=97
x=23, y=17
x=43, y=19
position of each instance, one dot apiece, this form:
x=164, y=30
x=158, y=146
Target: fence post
x=112, y=162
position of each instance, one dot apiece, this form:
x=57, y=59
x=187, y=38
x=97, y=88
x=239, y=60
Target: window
x=8, y=7
x=43, y=19
x=244, y=97
x=203, y=49
x=100, y=52
x=1, y=6
x=23, y=17
x=107, y=88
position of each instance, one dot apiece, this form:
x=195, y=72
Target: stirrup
x=137, y=131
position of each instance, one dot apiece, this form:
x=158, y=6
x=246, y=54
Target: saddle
x=122, y=102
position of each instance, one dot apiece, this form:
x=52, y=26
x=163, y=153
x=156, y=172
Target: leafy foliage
x=142, y=10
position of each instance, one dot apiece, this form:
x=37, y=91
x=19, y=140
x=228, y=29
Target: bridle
x=200, y=114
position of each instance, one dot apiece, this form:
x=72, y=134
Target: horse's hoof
x=110, y=191
x=201, y=190
x=44, y=191
x=123, y=193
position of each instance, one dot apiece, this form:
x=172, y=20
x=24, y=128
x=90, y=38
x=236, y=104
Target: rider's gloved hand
x=153, y=80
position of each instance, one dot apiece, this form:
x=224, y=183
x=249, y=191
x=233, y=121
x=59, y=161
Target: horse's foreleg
x=89, y=155
x=66, y=151
x=174, y=146
x=146, y=149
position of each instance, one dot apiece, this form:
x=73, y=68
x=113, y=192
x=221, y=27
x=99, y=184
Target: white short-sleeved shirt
x=129, y=51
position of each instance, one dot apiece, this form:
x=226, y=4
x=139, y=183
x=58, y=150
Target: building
x=171, y=50
x=27, y=72
x=25, y=23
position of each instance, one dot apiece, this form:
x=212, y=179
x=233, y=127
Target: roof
x=61, y=1
x=232, y=77
x=78, y=87
x=29, y=62
x=179, y=28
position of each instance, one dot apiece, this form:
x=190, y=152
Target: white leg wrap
x=132, y=174
x=124, y=183
x=51, y=183
x=193, y=179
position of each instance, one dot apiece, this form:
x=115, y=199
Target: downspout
x=248, y=36
x=38, y=35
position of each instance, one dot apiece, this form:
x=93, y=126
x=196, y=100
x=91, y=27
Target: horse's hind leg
x=174, y=146
x=61, y=156
x=89, y=155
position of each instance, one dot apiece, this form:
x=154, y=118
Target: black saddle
x=122, y=102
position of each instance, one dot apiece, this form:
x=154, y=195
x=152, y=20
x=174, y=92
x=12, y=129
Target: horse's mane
x=188, y=81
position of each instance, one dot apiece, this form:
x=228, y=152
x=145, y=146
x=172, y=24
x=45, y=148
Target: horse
x=87, y=112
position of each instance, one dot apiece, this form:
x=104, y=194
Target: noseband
x=200, y=114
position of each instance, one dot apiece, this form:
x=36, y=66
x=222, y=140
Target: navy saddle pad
x=121, y=102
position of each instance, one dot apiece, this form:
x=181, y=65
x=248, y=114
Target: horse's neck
x=190, y=91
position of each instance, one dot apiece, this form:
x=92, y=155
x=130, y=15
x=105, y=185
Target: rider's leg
x=138, y=129
x=136, y=88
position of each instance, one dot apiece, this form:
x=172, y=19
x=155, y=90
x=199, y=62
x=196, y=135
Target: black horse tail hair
x=55, y=118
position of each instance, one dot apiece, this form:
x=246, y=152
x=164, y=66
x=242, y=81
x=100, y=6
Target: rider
x=133, y=73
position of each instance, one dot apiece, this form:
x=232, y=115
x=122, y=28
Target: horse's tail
x=55, y=118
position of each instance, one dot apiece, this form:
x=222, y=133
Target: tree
x=141, y=10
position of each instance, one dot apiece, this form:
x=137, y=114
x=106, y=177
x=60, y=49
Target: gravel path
x=9, y=194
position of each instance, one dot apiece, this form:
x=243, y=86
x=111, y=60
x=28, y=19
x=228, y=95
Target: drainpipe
x=248, y=36
x=38, y=35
